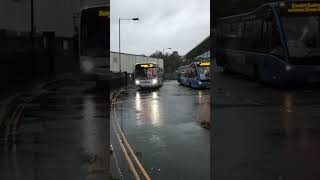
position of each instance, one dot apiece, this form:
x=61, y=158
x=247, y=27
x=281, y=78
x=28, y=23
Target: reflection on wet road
x=163, y=127
x=63, y=134
x=264, y=132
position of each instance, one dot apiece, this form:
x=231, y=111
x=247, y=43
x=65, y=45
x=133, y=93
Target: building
x=49, y=16
x=128, y=62
x=200, y=51
x=52, y=47
x=93, y=2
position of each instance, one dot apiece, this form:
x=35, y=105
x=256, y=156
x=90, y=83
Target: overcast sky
x=176, y=24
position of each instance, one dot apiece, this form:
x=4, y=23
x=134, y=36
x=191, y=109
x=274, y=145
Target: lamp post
x=133, y=19
x=32, y=18
x=32, y=32
x=164, y=49
x=163, y=56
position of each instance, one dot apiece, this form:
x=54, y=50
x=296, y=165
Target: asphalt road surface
x=163, y=127
x=263, y=132
x=62, y=134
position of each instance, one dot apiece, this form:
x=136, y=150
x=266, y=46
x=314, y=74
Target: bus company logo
x=304, y=7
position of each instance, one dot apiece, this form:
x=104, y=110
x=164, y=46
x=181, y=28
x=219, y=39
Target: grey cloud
x=179, y=24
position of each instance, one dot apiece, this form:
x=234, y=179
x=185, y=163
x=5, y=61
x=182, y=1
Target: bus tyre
x=102, y=84
x=192, y=85
x=226, y=68
x=256, y=74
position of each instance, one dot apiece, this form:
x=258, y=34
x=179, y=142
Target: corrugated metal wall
x=128, y=62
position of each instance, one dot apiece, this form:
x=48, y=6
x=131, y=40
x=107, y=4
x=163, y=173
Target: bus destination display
x=147, y=65
x=104, y=13
x=300, y=8
x=204, y=63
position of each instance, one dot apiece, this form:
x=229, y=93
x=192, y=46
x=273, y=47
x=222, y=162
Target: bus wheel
x=225, y=68
x=102, y=84
x=256, y=74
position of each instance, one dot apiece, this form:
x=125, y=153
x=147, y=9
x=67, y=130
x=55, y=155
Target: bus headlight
x=288, y=67
x=137, y=82
x=200, y=82
x=87, y=65
x=154, y=81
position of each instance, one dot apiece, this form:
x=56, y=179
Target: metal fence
x=170, y=76
x=23, y=58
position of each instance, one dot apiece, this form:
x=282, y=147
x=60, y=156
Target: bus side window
x=240, y=30
x=190, y=74
x=218, y=33
x=248, y=38
x=269, y=33
x=265, y=36
x=194, y=71
x=274, y=40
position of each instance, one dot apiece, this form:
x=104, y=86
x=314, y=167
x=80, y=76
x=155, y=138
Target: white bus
x=148, y=75
x=94, y=42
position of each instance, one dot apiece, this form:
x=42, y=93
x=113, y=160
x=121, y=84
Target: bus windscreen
x=94, y=32
x=302, y=35
x=300, y=23
x=203, y=70
x=145, y=71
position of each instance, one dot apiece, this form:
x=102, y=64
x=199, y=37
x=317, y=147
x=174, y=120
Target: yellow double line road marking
x=122, y=139
x=11, y=128
x=133, y=170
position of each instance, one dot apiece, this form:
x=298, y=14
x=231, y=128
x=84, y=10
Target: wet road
x=62, y=134
x=163, y=128
x=263, y=132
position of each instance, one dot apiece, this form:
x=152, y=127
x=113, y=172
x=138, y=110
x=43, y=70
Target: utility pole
x=134, y=19
x=119, y=49
x=32, y=31
x=32, y=23
x=164, y=49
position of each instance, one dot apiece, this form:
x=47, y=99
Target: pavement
x=164, y=129
x=263, y=132
x=62, y=133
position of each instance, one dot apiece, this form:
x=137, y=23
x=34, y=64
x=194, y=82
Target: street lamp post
x=119, y=51
x=163, y=55
x=32, y=32
x=164, y=49
x=134, y=19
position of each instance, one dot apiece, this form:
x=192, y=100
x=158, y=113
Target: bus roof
x=154, y=64
x=146, y=63
x=195, y=62
x=183, y=66
x=271, y=4
x=94, y=6
x=247, y=13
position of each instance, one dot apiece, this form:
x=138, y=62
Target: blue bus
x=195, y=75
x=278, y=42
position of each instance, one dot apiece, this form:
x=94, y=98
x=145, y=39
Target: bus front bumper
x=145, y=85
x=203, y=85
x=300, y=74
